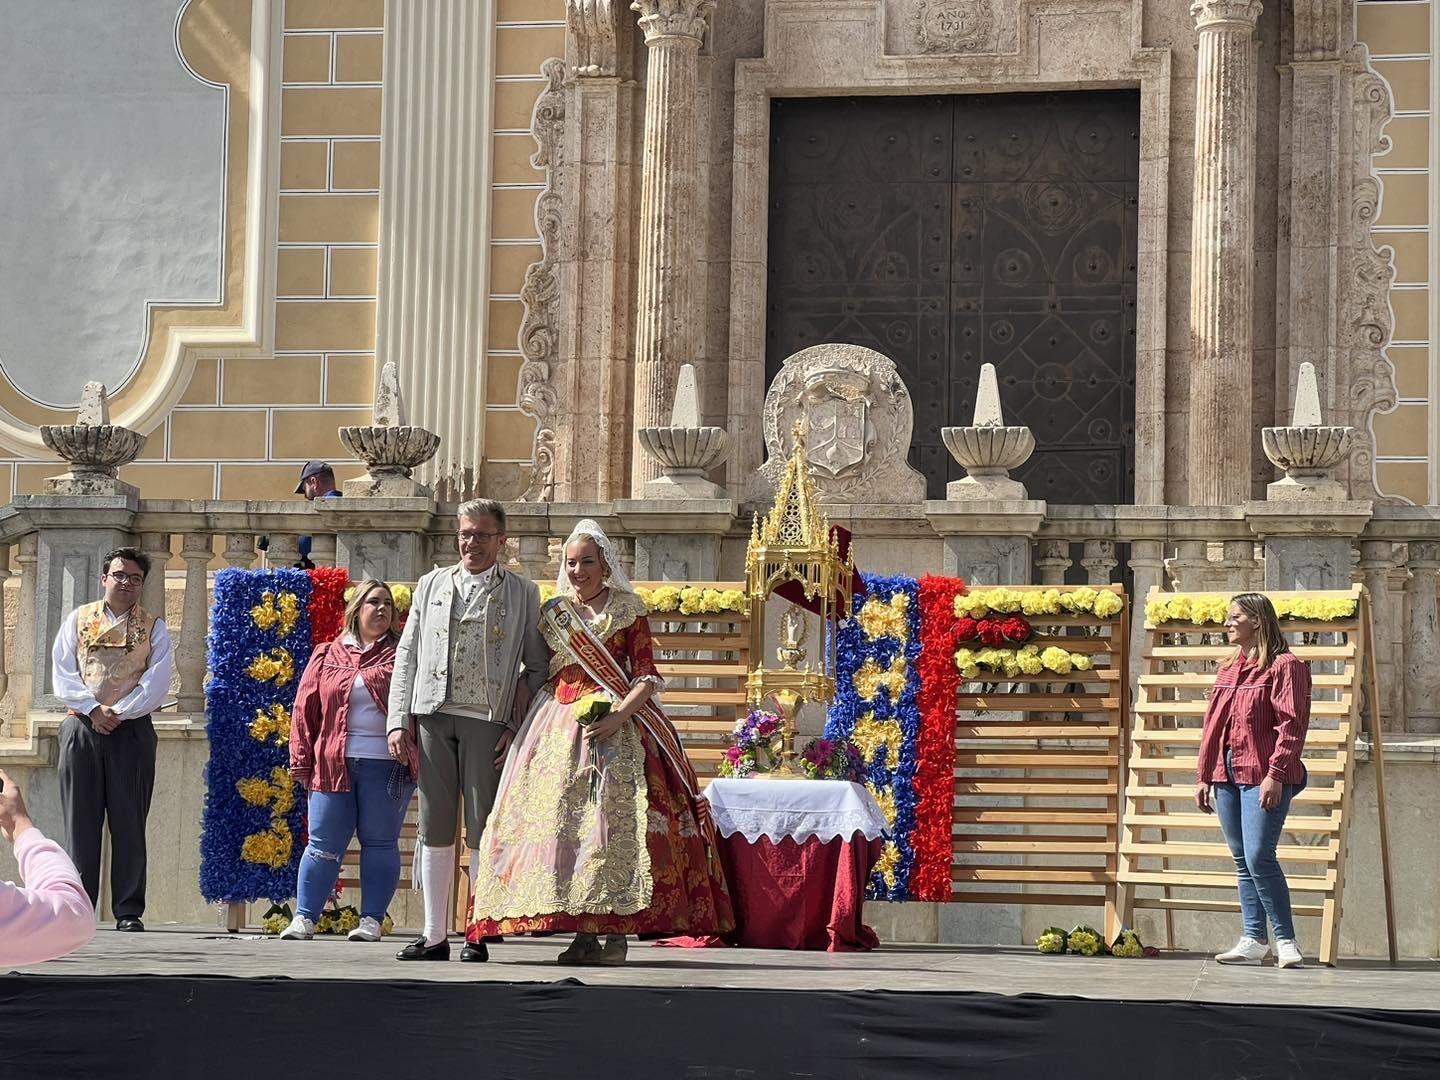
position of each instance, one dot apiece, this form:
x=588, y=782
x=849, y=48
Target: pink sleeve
x=51, y=915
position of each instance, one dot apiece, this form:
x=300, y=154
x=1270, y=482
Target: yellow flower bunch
x=276, y=722
x=871, y=677
x=277, y=665
x=1210, y=609
x=880, y=619
x=273, y=924
x=271, y=848
x=690, y=600
x=590, y=708
x=886, y=798
x=873, y=737
x=399, y=592
x=1026, y=660
x=278, y=792
x=1080, y=601
x=285, y=611
x=888, y=863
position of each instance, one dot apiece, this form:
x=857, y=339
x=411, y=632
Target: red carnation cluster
x=993, y=632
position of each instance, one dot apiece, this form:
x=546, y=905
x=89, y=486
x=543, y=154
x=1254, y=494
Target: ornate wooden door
x=947, y=232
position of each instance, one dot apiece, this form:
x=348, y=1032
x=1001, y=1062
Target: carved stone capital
x=673, y=18
x=1218, y=16
x=593, y=29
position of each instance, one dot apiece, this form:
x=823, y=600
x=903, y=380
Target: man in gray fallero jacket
x=458, y=673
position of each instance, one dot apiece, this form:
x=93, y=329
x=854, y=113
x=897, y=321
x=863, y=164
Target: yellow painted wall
x=1398, y=33
x=245, y=424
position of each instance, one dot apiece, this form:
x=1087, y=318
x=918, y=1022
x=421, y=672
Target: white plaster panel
x=113, y=173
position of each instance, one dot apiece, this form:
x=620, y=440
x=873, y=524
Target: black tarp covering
x=263, y=1029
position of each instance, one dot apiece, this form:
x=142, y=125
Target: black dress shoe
x=474, y=954
x=418, y=950
x=131, y=924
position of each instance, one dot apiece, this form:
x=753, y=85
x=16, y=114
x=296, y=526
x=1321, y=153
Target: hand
x=14, y=820
x=1270, y=792
x=502, y=747
x=606, y=726
x=402, y=744
x=1202, y=797
x=104, y=720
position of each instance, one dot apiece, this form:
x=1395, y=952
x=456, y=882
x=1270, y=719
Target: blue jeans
x=1252, y=834
x=370, y=807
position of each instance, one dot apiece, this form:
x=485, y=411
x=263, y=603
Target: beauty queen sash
x=587, y=650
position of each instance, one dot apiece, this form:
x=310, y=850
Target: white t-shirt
x=365, y=721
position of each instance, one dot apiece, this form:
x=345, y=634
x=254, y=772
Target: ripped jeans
x=372, y=808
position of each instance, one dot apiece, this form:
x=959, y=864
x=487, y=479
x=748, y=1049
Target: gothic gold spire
x=796, y=520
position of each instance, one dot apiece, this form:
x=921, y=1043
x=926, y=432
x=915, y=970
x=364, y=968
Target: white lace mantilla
x=798, y=809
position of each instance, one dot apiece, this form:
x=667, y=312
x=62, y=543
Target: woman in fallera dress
x=598, y=828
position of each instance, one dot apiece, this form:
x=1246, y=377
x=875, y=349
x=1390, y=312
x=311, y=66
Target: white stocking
x=437, y=876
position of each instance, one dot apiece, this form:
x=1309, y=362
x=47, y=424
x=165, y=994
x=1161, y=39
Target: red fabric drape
x=809, y=895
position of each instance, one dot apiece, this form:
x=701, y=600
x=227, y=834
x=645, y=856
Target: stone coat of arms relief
x=953, y=26
x=858, y=414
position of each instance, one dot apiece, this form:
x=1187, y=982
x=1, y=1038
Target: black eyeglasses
x=122, y=578
x=470, y=537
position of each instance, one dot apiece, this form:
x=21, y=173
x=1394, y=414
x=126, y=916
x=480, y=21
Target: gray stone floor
x=1411, y=984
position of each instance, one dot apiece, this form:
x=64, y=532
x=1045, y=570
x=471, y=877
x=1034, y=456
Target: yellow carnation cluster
x=873, y=737
x=1084, y=600
x=880, y=619
x=690, y=600
x=888, y=863
x=871, y=677
x=1026, y=660
x=270, y=611
x=271, y=848
x=278, y=792
x=400, y=593
x=273, y=924
x=886, y=798
x=276, y=722
x=1202, y=609
x=277, y=665
x=337, y=922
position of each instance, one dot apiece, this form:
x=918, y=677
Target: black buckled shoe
x=474, y=954
x=130, y=924
x=418, y=950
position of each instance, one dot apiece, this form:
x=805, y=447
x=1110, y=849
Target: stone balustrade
x=52, y=544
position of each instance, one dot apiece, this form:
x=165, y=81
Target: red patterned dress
x=627, y=859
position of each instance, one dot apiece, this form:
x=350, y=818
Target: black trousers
x=108, y=776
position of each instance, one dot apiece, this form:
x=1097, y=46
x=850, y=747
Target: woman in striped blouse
x=1249, y=768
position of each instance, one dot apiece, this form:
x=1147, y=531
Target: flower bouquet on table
x=1128, y=946
x=587, y=710
x=832, y=759
x=756, y=746
x=1086, y=941
x=1052, y=940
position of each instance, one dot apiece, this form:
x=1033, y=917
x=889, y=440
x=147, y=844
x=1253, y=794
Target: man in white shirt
x=468, y=662
x=111, y=665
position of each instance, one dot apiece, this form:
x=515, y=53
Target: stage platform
x=185, y=1002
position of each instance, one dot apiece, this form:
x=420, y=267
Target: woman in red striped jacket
x=1249, y=769
x=339, y=754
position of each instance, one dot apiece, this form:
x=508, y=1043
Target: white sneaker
x=300, y=929
x=1287, y=953
x=368, y=930
x=1245, y=951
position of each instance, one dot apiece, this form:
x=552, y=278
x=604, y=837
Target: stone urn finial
x=390, y=448
x=1308, y=449
x=988, y=448
x=685, y=449
x=94, y=448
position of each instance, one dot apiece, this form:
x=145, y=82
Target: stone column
x=157, y=546
x=987, y=543
x=1053, y=562
x=1222, y=285
x=21, y=684
x=1377, y=562
x=666, y=313
x=1422, y=674
x=197, y=551
x=239, y=550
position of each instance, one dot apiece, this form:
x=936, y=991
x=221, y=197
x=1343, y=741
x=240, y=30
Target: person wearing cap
x=317, y=481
